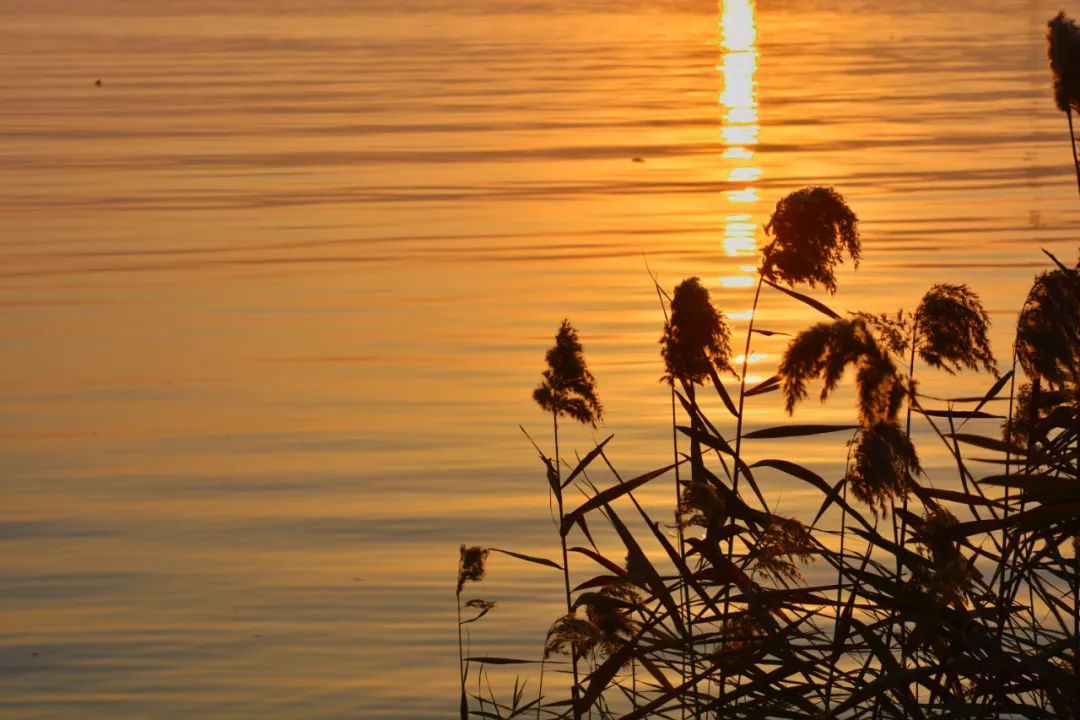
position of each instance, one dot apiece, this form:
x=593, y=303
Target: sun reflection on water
x=740, y=129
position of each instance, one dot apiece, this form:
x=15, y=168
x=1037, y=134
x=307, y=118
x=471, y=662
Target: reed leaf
x=786, y=431
x=529, y=558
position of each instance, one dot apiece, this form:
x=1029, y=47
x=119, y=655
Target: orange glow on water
x=739, y=233
x=741, y=128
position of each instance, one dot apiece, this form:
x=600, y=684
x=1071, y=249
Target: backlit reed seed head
x=699, y=504
x=1063, y=51
x=951, y=576
x=812, y=229
x=783, y=543
x=883, y=463
x=568, y=388
x=1048, y=332
x=953, y=330
x=825, y=350
x=483, y=607
x=1027, y=418
x=571, y=634
x=893, y=331
x=479, y=604
x=695, y=337
x=611, y=612
x=471, y=565
x=742, y=635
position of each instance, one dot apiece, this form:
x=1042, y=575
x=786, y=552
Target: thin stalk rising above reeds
x=695, y=346
x=470, y=569
x=1063, y=49
x=811, y=229
x=567, y=390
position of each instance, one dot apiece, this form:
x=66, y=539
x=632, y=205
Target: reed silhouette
x=967, y=608
x=695, y=347
x=470, y=569
x=1063, y=49
x=567, y=390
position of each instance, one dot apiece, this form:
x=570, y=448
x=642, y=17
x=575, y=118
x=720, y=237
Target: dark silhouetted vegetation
x=967, y=608
x=949, y=596
x=1063, y=49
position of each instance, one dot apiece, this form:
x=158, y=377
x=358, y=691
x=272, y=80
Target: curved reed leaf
x=816, y=304
x=612, y=493
x=714, y=441
x=722, y=392
x=958, y=414
x=529, y=558
x=584, y=463
x=786, y=431
x=988, y=443
x=600, y=560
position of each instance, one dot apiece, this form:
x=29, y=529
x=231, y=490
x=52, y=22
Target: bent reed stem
x=566, y=566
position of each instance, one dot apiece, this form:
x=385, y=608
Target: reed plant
x=723, y=624
x=969, y=607
x=1063, y=50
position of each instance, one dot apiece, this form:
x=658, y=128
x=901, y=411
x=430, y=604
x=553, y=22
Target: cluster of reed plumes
x=936, y=596
x=953, y=596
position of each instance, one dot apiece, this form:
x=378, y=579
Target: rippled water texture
x=274, y=295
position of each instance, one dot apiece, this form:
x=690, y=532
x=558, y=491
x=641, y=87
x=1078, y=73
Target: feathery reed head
x=1034, y=414
x=1063, y=50
x=882, y=464
x=471, y=565
x=695, y=337
x=811, y=229
x=1048, y=332
x=950, y=576
x=568, y=388
x=610, y=612
x=699, y=504
x=571, y=634
x=952, y=329
x=892, y=331
x=825, y=350
x=607, y=626
x=482, y=608
x=783, y=542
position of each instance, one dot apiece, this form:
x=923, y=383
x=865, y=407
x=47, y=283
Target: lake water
x=273, y=297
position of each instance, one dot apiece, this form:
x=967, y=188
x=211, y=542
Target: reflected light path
x=740, y=128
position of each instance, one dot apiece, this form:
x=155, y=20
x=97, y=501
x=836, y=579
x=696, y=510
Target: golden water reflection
x=740, y=129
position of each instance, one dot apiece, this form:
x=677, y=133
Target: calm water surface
x=273, y=297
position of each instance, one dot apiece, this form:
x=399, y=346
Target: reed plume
x=812, y=229
x=825, y=351
x=1063, y=50
x=471, y=568
x=883, y=465
x=696, y=347
x=883, y=457
x=951, y=330
x=567, y=390
x=1048, y=332
x=696, y=340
